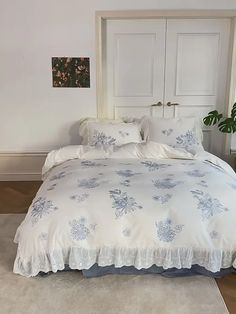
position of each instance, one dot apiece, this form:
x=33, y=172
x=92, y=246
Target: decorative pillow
x=179, y=133
x=109, y=134
x=84, y=127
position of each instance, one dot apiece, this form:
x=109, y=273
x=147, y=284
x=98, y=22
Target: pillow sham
x=182, y=133
x=110, y=134
x=84, y=126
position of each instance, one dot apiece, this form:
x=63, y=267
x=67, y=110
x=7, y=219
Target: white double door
x=177, y=65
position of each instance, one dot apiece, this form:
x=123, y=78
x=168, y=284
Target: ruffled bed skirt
x=77, y=258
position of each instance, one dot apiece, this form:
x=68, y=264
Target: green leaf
x=233, y=112
x=212, y=118
x=228, y=125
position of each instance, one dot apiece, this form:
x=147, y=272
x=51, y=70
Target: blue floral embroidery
x=125, y=183
x=52, y=187
x=187, y=140
x=123, y=134
x=89, y=163
x=100, y=139
x=79, y=198
x=163, y=199
x=126, y=232
x=166, y=231
x=195, y=173
x=209, y=206
x=167, y=132
x=126, y=163
x=40, y=208
x=126, y=173
x=88, y=183
x=187, y=163
x=58, y=176
x=43, y=236
x=167, y=183
x=80, y=230
x=214, y=234
x=203, y=184
x=123, y=203
x=151, y=165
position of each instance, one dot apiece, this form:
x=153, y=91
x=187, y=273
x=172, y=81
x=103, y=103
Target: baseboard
x=20, y=177
x=21, y=166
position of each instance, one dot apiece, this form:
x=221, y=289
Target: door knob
x=172, y=104
x=157, y=104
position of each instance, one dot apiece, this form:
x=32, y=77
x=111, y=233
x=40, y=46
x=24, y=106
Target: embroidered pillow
x=110, y=134
x=84, y=127
x=184, y=133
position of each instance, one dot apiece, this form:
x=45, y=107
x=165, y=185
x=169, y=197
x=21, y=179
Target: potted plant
x=225, y=124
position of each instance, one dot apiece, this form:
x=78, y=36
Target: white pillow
x=84, y=126
x=182, y=133
x=110, y=134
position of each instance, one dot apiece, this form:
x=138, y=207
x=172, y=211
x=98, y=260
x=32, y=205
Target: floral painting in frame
x=70, y=72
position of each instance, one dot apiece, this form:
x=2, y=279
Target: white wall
x=233, y=143
x=33, y=115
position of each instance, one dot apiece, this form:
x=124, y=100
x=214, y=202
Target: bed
x=137, y=207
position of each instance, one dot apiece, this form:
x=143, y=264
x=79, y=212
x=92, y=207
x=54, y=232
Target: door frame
x=100, y=21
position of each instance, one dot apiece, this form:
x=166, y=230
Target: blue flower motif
x=151, y=165
x=125, y=163
x=163, y=199
x=89, y=163
x=187, y=140
x=88, y=183
x=203, y=184
x=167, y=132
x=123, y=203
x=167, y=183
x=125, y=183
x=167, y=231
x=80, y=230
x=195, y=173
x=100, y=139
x=43, y=236
x=52, y=187
x=79, y=198
x=214, y=234
x=123, y=134
x=58, y=176
x=40, y=208
x=126, y=173
x=208, y=205
x=126, y=232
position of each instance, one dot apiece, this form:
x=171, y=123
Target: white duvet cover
x=139, y=205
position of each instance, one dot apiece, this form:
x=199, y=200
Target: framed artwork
x=70, y=72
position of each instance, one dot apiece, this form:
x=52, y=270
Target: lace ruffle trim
x=78, y=258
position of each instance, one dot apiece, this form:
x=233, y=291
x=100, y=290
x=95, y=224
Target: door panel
x=135, y=77
x=197, y=61
x=196, y=71
x=135, y=54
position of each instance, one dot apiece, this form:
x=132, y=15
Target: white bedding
x=137, y=205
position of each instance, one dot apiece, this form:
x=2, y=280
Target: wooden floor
x=15, y=197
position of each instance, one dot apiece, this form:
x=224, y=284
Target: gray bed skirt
x=97, y=271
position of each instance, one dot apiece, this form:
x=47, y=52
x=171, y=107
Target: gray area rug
x=70, y=293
